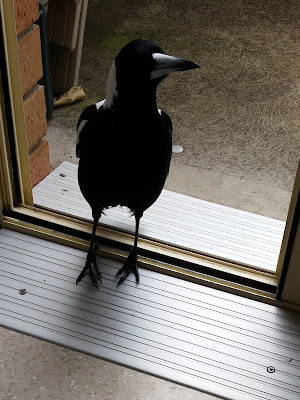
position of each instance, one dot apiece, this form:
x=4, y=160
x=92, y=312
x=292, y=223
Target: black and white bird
x=124, y=143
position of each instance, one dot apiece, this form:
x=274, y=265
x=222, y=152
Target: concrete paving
x=32, y=369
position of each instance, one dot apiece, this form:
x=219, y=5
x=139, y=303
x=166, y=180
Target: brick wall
x=30, y=59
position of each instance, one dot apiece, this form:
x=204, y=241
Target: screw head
x=271, y=370
x=22, y=291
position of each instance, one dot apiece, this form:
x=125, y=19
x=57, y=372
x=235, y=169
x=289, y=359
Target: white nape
x=111, y=92
x=99, y=104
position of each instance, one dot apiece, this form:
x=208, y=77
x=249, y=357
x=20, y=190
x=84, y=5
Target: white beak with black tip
x=165, y=65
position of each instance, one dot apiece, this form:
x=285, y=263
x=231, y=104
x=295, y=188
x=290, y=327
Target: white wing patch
x=99, y=104
x=159, y=110
x=82, y=125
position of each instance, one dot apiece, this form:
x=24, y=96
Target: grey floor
x=33, y=369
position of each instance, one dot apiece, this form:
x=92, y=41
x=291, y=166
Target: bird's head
x=138, y=69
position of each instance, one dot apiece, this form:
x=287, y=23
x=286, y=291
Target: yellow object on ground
x=71, y=96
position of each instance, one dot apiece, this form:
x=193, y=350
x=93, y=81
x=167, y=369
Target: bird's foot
x=129, y=266
x=92, y=266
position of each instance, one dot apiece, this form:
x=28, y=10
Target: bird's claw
x=92, y=266
x=129, y=266
x=95, y=277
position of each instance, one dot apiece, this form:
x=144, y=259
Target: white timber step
x=208, y=228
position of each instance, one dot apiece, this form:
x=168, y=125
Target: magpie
x=124, y=143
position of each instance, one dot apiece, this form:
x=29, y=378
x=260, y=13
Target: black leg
x=91, y=259
x=131, y=262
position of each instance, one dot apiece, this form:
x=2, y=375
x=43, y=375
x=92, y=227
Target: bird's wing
x=167, y=121
x=168, y=128
x=87, y=115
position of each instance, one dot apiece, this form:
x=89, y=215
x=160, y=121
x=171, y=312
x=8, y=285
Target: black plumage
x=125, y=142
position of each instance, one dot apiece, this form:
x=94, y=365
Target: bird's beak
x=165, y=65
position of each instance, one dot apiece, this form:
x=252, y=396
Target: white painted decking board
x=210, y=210
x=173, y=200
x=205, y=242
x=167, y=210
x=194, y=335
x=191, y=223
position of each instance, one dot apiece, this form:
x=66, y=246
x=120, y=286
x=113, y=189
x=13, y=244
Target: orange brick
x=39, y=162
x=26, y=13
x=35, y=116
x=30, y=58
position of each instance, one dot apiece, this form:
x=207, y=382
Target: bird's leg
x=91, y=259
x=131, y=262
